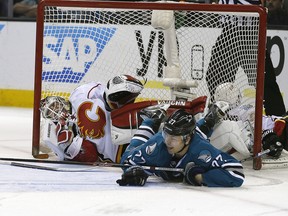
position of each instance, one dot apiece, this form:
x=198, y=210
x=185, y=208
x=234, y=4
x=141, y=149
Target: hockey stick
x=95, y=164
x=259, y=154
x=40, y=167
x=22, y=162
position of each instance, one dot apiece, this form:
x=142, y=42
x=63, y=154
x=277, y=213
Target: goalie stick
x=41, y=167
x=259, y=154
x=22, y=162
x=95, y=165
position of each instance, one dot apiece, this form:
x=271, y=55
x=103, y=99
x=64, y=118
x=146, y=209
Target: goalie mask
x=121, y=90
x=229, y=93
x=54, y=107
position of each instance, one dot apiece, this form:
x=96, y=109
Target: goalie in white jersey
x=81, y=128
x=237, y=134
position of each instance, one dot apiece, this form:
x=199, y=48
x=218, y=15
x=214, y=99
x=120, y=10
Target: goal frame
x=257, y=163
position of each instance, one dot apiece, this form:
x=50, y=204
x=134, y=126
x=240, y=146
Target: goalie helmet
x=121, y=90
x=53, y=107
x=180, y=123
x=229, y=93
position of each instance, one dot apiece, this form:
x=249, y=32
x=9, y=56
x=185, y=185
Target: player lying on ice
x=180, y=144
x=80, y=129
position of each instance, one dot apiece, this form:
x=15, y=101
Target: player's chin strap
x=185, y=139
x=184, y=146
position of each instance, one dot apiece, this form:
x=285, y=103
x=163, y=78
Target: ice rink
x=93, y=192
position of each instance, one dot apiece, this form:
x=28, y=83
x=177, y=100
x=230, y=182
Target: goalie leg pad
x=227, y=136
x=72, y=150
x=121, y=136
x=50, y=138
x=61, y=142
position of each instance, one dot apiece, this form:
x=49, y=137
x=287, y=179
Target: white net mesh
x=81, y=45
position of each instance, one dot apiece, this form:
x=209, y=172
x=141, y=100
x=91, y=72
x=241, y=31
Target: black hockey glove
x=271, y=141
x=133, y=176
x=157, y=113
x=191, y=170
x=217, y=111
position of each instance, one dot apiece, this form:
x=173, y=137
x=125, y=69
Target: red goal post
x=80, y=41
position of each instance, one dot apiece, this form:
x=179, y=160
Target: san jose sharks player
x=180, y=144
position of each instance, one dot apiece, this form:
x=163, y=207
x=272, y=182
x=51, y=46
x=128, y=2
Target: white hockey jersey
x=93, y=120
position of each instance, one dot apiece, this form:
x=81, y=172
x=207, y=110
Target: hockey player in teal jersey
x=180, y=144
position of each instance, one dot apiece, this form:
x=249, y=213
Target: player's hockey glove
x=156, y=112
x=271, y=141
x=133, y=176
x=190, y=172
x=217, y=112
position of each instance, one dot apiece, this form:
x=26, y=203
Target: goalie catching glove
x=191, y=172
x=133, y=176
x=271, y=141
x=64, y=134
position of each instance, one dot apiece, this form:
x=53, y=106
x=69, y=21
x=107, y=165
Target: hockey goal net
x=82, y=41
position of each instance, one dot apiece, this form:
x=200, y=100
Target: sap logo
x=1, y=27
x=70, y=51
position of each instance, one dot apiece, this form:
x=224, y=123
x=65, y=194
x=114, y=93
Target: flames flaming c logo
x=88, y=127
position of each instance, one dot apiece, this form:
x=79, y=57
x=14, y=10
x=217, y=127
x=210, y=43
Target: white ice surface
x=34, y=192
